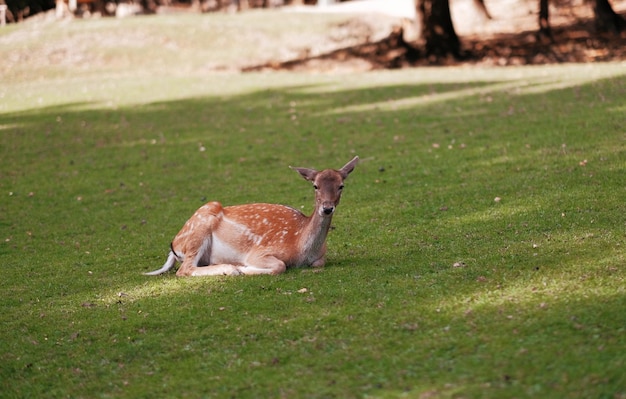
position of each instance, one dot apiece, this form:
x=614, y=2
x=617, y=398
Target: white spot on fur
x=255, y=238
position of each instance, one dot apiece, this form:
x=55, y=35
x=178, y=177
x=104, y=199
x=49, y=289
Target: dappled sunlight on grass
x=155, y=287
x=498, y=212
x=412, y=102
x=619, y=110
x=586, y=279
x=522, y=86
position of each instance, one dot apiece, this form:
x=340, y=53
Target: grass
x=432, y=288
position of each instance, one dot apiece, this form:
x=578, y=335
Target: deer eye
x=341, y=187
x=315, y=186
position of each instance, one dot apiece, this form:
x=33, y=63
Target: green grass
x=98, y=174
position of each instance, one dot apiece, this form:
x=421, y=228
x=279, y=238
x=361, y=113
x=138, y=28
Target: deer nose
x=328, y=209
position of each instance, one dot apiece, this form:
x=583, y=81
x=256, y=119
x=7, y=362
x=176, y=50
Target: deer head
x=328, y=185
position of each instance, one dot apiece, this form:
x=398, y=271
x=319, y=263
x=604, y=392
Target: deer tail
x=169, y=263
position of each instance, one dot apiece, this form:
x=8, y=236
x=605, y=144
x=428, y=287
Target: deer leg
x=190, y=269
x=186, y=268
x=216, y=270
x=194, y=242
x=320, y=262
x=199, y=255
x=267, y=264
x=197, y=263
x=263, y=265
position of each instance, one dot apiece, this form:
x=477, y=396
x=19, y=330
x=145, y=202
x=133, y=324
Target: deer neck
x=315, y=232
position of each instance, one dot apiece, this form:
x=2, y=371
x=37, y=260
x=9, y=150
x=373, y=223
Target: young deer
x=258, y=238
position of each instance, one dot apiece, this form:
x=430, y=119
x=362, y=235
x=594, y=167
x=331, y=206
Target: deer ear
x=308, y=174
x=349, y=167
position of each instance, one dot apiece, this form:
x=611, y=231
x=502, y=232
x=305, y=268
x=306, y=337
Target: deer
x=258, y=238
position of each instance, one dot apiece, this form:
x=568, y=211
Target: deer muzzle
x=328, y=208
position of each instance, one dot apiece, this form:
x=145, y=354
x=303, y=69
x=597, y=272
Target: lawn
x=478, y=250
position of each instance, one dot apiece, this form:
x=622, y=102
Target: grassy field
x=478, y=251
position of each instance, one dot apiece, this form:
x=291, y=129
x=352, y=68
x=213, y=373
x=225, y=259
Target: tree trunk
x=437, y=28
x=148, y=6
x=606, y=19
x=544, y=19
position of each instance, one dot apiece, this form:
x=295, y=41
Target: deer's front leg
x=320, y=262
